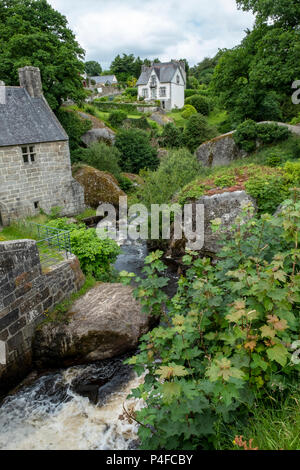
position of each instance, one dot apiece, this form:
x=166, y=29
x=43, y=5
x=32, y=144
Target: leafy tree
x=74, y=126
x=285, y=12
x=136, y=150
x=254, y=79
x=172, y=136
x=33, y=33
x=196, y=132
x=103, y=157
x=176, y=170
x=93, y=68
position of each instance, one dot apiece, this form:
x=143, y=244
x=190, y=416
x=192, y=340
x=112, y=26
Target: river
x=79, y=407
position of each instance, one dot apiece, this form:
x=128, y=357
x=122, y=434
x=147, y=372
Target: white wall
x=174, y=91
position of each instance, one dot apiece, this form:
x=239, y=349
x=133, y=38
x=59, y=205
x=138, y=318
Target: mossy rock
x=99, y=186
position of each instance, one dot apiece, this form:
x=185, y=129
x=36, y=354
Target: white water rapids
x=39, y=419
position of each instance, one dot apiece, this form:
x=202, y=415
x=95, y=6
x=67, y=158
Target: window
x=162, y=92
x=28, y=153
x=153, y=93
x=177, y=79
x=145, y=92
x=36, y=204
x=153, y=80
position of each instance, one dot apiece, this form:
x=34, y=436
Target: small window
x=36, y=204
x=28, y=154
x=163, y=92
x=177, y=79
x=145, y=92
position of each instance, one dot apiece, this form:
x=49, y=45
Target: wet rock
x=99, y=186
x=104, y=323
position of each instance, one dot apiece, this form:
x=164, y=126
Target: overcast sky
x=167, y=29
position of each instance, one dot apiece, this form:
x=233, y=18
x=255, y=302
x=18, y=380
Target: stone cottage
x=35, y=166
x=165, y=82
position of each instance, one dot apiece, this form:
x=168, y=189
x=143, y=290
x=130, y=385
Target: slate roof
x=164, y=71
x=27, y=120
x=103, y=79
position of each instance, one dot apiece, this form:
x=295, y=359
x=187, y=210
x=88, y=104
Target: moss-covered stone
x=99, y=186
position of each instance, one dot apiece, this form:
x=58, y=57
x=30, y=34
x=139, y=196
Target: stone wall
x=44, y=183
x=26, y=295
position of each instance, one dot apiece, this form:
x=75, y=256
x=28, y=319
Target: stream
x=76, y=408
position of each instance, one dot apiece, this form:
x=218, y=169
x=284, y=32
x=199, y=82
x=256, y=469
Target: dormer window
x=28, y=154
x=153, y=81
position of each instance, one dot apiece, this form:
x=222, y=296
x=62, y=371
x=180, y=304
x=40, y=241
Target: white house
x=165, y=82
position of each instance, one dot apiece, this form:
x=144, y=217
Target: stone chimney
x=30, y=79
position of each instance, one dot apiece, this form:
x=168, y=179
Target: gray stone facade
x=27, y=295
x=35, y=165
x=25, y=188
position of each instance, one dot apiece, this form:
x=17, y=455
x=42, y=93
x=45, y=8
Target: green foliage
x=200, y=103
x=125, y=183
x=33, y=33
x=116, y=118
x=224, y=181
x=95, y=255
x=196, y=132
x=136, y=150
x=93, y=68
x=226, y=337
x=249, y=133
x=74, y=126
x=269, y=191
x=188, y=111
x=131, y=92
x=129, y=108
x=190, y=92
x=175, y=170
x=172, y=136
x=103, y=157
x=286, y=12
x=253, y=80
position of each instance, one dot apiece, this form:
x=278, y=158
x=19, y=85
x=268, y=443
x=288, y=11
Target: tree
x=196, y=132
x=33, y=33
x=171, y=136
x=75, y=127
x=123, y=67
x=136, y=150
x=93, y=68
x=254, y=79
x=284, y=12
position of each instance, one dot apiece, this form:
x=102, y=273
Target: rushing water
x=77, y=408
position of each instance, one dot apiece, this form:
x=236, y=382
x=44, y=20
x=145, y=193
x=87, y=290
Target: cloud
x=167, y=29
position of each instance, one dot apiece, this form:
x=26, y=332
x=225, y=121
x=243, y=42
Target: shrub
x=95, y=255
x=268, y=133
x=172, y=136
x=176, y=170
x=131, y=91
x=224, y=181
x=269, y=191
x=273, y=160
x=224, y=345
x=196, y=132
x=103, y=158
x=116, y=118
x=188, y=111
x=200, y=103
x=125, y=183
x=249, y=132
x=136, y=150
x=74, y=126
x=246, y=135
